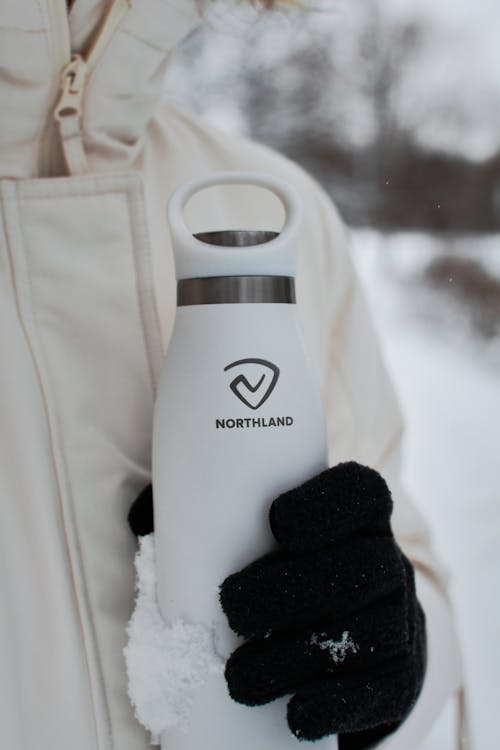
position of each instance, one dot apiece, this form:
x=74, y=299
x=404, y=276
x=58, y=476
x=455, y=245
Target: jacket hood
x=127, y=46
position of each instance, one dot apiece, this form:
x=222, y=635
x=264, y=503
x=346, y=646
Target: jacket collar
x=120, y=90
x=124, y=85
x=162, y=22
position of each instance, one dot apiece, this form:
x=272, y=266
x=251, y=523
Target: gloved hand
x=331, y=617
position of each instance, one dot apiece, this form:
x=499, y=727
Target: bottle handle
x=187, y=246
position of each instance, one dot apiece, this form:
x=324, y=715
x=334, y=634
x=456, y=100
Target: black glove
x=140, y=517
x=332, y=616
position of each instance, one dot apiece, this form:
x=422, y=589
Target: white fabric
x=87, y=302
x=76, y=405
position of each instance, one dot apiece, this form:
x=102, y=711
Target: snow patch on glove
x=338, y=650
x=165, y=663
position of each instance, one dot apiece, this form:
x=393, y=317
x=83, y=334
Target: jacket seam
x=151, y=45
x=334, y=362
x=34, y=343
x=45, y=121
x=22, y=30
x=34, y=188
x=144, y=286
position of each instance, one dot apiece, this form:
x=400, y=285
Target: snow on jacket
x=87, y=303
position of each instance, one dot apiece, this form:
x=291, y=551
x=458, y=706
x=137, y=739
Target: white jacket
x=87, y=302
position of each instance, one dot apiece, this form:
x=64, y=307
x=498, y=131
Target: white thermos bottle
x=238, y=420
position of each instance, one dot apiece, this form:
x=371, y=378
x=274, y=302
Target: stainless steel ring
x=213, y=290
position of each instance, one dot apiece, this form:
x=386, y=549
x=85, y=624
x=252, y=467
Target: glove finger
x=331, y=506
x=281, y=590
x=354, y=702
x=140, y=516
x=264, y=669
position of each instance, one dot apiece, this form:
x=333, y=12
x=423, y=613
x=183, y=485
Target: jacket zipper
x=68, y=109
x=49, y=160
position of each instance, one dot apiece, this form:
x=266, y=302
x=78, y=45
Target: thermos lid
x=234, y=252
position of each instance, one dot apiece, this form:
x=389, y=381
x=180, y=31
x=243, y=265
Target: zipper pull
x=72, y=85
x=68, y=109
x=68, y=112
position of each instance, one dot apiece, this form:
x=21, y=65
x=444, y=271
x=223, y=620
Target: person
x=89, y=157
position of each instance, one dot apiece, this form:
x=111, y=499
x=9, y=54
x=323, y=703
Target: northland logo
x=254, y=382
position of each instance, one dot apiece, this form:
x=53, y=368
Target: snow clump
x=165, y=662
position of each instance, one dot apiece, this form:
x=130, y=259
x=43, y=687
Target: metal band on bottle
x=217, y=290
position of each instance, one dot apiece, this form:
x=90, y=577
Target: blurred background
x=394, y=106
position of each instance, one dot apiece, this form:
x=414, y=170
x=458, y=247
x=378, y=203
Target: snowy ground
x=445, y=366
